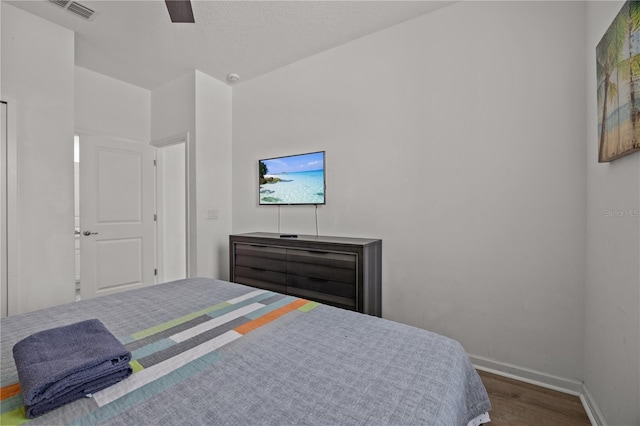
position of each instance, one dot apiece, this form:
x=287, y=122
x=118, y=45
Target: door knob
x=87, y=233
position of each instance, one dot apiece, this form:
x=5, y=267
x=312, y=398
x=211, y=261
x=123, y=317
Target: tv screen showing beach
x=294, y=179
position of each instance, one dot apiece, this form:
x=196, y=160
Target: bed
x=213, y=352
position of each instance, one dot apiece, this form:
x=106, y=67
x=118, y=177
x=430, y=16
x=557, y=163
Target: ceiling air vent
x=61, y=3
x=76, y=8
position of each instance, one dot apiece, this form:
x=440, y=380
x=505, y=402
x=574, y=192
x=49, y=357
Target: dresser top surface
x=311, y=238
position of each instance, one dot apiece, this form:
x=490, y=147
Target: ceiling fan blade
x=180, y=10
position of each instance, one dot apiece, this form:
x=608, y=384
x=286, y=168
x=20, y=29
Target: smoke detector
x=76, y=8
x=233, y=77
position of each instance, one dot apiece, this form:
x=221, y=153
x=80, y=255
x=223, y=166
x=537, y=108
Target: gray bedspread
x=209, y=352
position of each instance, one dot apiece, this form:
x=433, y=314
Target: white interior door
x=117, y=241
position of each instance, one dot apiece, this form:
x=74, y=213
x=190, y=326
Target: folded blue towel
x=63, y=364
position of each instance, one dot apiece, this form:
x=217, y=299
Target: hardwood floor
x=517, y=403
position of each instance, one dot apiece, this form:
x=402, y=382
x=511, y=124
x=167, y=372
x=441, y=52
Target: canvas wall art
x=618, y=74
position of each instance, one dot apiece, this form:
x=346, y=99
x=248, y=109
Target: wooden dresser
x=338, y=271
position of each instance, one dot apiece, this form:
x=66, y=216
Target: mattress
x=213, y=352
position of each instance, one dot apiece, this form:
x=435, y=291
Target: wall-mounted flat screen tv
x=293, y=179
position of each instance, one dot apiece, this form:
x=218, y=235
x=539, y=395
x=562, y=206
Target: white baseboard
x=538, y=378
x=549, y=381
x=595, y=415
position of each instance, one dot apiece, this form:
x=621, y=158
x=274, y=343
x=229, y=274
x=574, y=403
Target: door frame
x=12, y=218
x=190, y=198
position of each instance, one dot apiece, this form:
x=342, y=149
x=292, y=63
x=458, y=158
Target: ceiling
x=135, y=41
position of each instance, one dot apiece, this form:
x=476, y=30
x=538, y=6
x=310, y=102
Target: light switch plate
x=213, y=214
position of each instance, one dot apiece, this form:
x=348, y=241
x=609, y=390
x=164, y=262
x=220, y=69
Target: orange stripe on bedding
x=9, y=391
x=267, y=318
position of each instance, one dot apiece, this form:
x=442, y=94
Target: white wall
x=201, y=105
x=38, y=73
x=213, y=165
x=110, y=107
x=457, y=138
x=173, y=108
x=612, y=298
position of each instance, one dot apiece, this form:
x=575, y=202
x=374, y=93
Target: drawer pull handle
x=258, y=269
x=317, y=252
x=320, y=280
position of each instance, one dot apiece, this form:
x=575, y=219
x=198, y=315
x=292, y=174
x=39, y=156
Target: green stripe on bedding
x=14, y=417
x=164, y=326
x=135, y=366
x=137, y=344
x=212, y=311
x=309, y=306
x=164, y=339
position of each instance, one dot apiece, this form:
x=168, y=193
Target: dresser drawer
x=266, y=252
x=260, y=257
x=322, y=272
x=322, y=286
x=261, y=263
x=270, y=280
x=324, y=258
x=328, y=299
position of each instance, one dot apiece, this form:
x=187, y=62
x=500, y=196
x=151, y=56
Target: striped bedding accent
x=168, y=353
x=212, y=352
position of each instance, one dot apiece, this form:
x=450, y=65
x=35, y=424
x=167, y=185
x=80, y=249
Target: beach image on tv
x=296, y=179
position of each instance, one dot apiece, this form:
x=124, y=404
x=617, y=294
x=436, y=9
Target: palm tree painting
x=618, y=74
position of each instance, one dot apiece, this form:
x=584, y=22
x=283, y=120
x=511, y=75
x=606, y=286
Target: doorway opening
x=174, y=198
x=171, y=226
x=4, y=286
x=76, y=209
